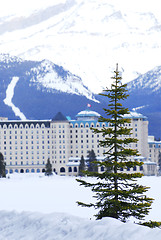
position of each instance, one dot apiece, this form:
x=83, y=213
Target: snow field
x=35, y=207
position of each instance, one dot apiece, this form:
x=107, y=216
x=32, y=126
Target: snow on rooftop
x=134, y=115
x=88, y=114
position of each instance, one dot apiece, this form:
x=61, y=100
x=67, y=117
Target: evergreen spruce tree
x=48, y=168
x=82, y=167
x=92, y=165
x=2, y=166
x=117, y=192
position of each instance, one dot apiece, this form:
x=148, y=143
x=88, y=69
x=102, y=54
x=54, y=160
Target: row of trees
x=90, y=164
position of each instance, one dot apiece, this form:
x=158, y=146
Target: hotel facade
x=26, y=145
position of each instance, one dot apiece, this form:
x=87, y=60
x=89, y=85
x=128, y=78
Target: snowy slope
x=56, y=78
x=145, y=97
x=36, y=207
x=149, y=82
x=39, y=89
x=47, y=75
x=86, y=37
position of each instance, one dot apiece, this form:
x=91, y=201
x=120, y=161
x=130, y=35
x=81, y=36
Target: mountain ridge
x=85, y=37
x=39, y=96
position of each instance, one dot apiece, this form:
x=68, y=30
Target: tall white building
x=154, y=149
x=26, y=145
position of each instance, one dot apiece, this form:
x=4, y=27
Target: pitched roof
x=59, y=117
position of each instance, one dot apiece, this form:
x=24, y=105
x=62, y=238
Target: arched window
x=32, y=125
x=10, y=171
x=92, y=125
x=4, y=126
x=15, y=126
x=121, y=169
x=43, y=126
x=26, y=126
x=32, y=170
x=71, y=125
x=21, y=126
x=75, y=169
x=10, y=126
x=37, y=125
x=102, y=168
x=69, y=169
x=81, y=125
x=16, y=170
x=27, y=170
x=76, y=125
x=134, y=168
x=38, y=170
x=43, y=170
x=21, y=171
x=103, y=124
x=97, y=125
x=87, y=125
x=62, y=169
x=141, y=168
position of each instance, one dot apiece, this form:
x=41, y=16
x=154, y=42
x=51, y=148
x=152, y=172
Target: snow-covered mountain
x=86, y=37
x=145, y=97
x=149, y=82
x=39, y=89
x=46, y=74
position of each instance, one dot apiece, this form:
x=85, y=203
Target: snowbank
x=35, y=207
x=34, y=226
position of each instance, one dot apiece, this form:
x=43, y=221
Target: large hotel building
x=26, y=145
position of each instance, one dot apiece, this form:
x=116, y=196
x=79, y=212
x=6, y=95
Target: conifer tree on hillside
x=82, y=167
x=92, y=165
x=116, y=190
x=2, y=166
x=48, y=168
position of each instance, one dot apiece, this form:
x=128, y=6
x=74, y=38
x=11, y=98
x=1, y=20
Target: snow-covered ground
x=35, y=207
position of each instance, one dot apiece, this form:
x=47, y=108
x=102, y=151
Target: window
x=69, y=169
x=62, y=169
x=102, y=168
x=75, y=169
